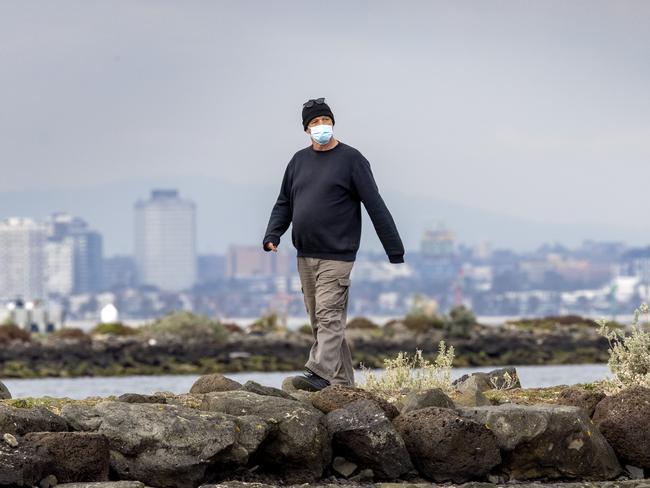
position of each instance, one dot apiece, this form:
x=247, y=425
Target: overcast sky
x=536, y=110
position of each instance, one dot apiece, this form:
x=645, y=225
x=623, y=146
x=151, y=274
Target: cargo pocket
x=344, y=284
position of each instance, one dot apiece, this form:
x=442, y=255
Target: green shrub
x=403, y=374
x=629, y=354
x=114, y=328
x=71, y=333
x=362, y=323
x=460, y=321
x=552, y=322
x=421, y=323
x=305, y=329
x=10, y=332
x=186, y=325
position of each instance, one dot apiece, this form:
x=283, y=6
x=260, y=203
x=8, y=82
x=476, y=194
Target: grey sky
x=535, y=110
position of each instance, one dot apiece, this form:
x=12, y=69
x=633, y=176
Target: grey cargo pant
x=325, y=287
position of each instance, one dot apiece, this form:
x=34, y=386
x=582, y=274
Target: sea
x=83, y=387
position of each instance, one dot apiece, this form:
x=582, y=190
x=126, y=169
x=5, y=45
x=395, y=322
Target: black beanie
x=316, y=110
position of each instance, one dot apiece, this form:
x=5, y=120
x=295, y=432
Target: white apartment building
x=22, y=253
x=165, y=241
x=60, y=266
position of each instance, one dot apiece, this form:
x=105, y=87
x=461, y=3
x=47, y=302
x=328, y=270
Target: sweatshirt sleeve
x=281, y=212
x=366, y=187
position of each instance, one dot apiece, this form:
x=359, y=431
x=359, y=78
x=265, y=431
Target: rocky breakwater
x=80, y=354
x=222, y=431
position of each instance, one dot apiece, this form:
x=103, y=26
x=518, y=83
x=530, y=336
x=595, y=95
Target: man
x=320, y=194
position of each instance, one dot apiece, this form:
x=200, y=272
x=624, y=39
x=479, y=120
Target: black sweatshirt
x=321, y=193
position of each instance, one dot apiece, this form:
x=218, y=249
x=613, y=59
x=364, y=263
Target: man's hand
x=272, y=247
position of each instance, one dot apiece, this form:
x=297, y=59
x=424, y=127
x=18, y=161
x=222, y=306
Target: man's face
x=321, y=120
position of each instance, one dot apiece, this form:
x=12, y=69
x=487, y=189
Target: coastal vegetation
x=186, y=343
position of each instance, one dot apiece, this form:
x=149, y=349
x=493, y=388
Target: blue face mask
x=321, y=133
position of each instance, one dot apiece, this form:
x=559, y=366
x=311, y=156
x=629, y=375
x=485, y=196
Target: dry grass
x=404, y=374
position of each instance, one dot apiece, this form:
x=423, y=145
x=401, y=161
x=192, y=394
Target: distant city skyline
x=237, y=214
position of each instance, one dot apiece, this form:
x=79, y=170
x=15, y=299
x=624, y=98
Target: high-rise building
x=59, y=266
x=165, y=241
x=22, y=243
x=71, y=237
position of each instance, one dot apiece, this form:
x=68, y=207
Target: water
x=530, y=376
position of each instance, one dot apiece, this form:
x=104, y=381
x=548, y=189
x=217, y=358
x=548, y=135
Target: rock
x=549, y=441
x=362, y=433
x=446, y=447
x=10, y=440
x=496, y=479
x=623, y=420
x=4, y=392
x=287, y=385
x=66, y=455
x=48, y=482
x=255, y=387
x=337, y=396
x=500, y=379
x=364, y=475
x=138, y=398
x=433, y=397
x=73, y=455
x=105, y=484
x=24, y=465
x=301, y=395
x=169, y=445
x=299, y=443
x=635, y=472
x=579, y=397
x=343, y=467
x=19, y=421
x=473, y=383
x=214, y=382
x=471, y=398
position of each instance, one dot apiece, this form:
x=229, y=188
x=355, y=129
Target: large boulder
x=24, y=465
x=446, y=447
x=579, y=397
x=547, y=441
x=214, y=382
x=298, y=446
x=75, y=456
x=624, y=420
x=69, y=456
x=169, y=445
x=4, y=392
x=19, y=421
x=433, y=397
x=362, y=433
x=338, y=396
